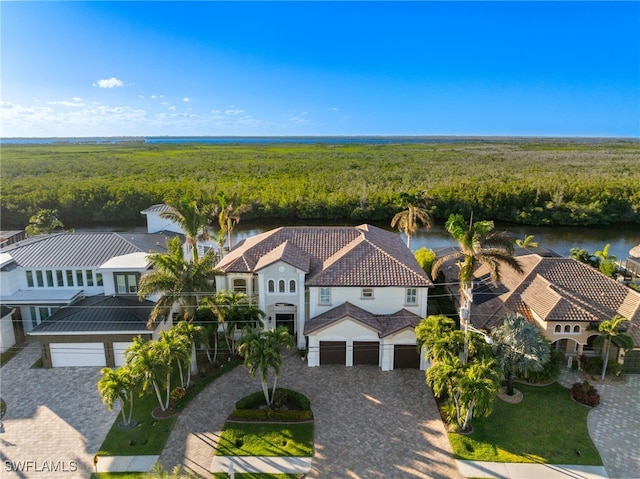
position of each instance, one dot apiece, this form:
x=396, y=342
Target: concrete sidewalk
x=505, y=470
x=126, y=463
x=271, y=465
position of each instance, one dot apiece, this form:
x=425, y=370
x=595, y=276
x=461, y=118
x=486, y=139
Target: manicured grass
x=266, y=439
x=147, y=438
x=150, y=435
x=547, y=426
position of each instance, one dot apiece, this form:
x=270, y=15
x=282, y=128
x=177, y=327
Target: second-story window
x=412, y=296
x=271, y=286
x=325, y=296
x=30, y=279
x=367, y=293
x=59, y=278
x=292, y=285
x=240, y=285
x=281, y=286
x=126, y=283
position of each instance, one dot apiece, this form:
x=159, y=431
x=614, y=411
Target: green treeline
x=531, y=182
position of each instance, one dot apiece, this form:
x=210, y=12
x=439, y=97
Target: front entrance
x=287, y=320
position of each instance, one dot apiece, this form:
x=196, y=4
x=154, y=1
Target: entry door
x=287, y=320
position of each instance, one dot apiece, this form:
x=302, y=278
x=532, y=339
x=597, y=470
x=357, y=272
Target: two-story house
x=349, y=295
x=77, y=293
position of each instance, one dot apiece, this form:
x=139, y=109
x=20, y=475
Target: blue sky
x=325, y=68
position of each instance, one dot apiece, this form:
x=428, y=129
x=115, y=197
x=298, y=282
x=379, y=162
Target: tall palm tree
x=439, y=337
x=178, y=281
x=261, y=352
x=193, y=334
x=229, y=213
x=118, y=385
x=149, y=362
x=478, y=386
x=193, y=220
x=606, y=262
x=478, y=244
x=519, y=348
x=177, y=348
x=414, y=213
x=611, y=333
x=234, y=311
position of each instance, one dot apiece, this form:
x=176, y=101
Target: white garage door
x=77, y=354
x=118, y=353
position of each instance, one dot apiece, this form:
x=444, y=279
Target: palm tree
x=229, y=213
x=193, y=220
x=148, y=361
x=193, y=334
x=414, y=213
x=43, y=222
x=519, y=348
x=527, y=242
x=606, y=262
x=478, y=386
x=178, y=281
x=261, y=352
x=443, y=378
x=440, y=338
x=610, y=333
x=118, y=385
x=234, y=310
x=478, y=244
x=177, y=348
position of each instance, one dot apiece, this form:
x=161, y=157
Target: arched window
x=292, y=285
x=281, y=286
x=567, y=329
x=271, y=286
x=576, y=329
x=557, y=329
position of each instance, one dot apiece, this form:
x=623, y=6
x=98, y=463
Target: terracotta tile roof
x=384, y=324
x=332, y=256
x=555, y=289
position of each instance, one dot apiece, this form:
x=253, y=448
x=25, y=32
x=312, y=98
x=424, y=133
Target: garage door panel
x=118, y=352
x=366, y=352
x=406, y=356
x=333, y=352
x=77, y=354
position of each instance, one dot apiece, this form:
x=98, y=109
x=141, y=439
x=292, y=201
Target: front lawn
x=266, y=439
x=256, y=475
x=547, y=427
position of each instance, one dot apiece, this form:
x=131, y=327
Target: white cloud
x=109, y=83
x=77, y=102
x=234, y=112
x=186, y=99
x=172, y=108
x=76, y=99
x=335, y=108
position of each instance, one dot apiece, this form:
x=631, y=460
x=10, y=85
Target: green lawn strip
x=266, y=439
x=150, y=434
x=546, y=427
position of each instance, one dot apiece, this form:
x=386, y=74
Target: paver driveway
x=368, y=423
x=55, y=420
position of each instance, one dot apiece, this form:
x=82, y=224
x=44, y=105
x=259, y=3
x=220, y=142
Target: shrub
x=178, y=393
x=551, y=369
x=293, y=399
x=591, y=364
x=271, y=415
x=585, y=393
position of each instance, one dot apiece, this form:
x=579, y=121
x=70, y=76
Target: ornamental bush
x=585, y=393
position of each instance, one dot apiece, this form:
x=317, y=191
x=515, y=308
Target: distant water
x=284, y=139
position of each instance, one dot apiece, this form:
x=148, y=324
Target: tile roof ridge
x=402, y=264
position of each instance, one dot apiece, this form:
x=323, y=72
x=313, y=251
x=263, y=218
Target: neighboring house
x=632, y=264
x=564, y=297
x=77, y=293
x=7, y=335
x=351, y=295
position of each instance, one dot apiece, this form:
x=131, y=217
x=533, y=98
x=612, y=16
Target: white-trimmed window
x=367, y=293
x=576, y=329
x=271, y=286
x=240, y=285
x=557, y=329
x=411, y=296
x=292, y=285
x=281, y=286
x=325, y=296
x=30, y=282
x=59, y=278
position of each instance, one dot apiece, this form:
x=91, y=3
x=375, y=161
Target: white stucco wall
x=7, y=337
x=387, y=300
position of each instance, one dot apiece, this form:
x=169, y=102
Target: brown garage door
x=333, y=352
x=366, y=352
x=406, y=356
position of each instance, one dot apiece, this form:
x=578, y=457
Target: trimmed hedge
x=293, y=399
x=289, y=415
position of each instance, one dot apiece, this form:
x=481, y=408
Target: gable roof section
x=384, y=324
x=333, y=256
x=99, y=314
x=81, y=249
